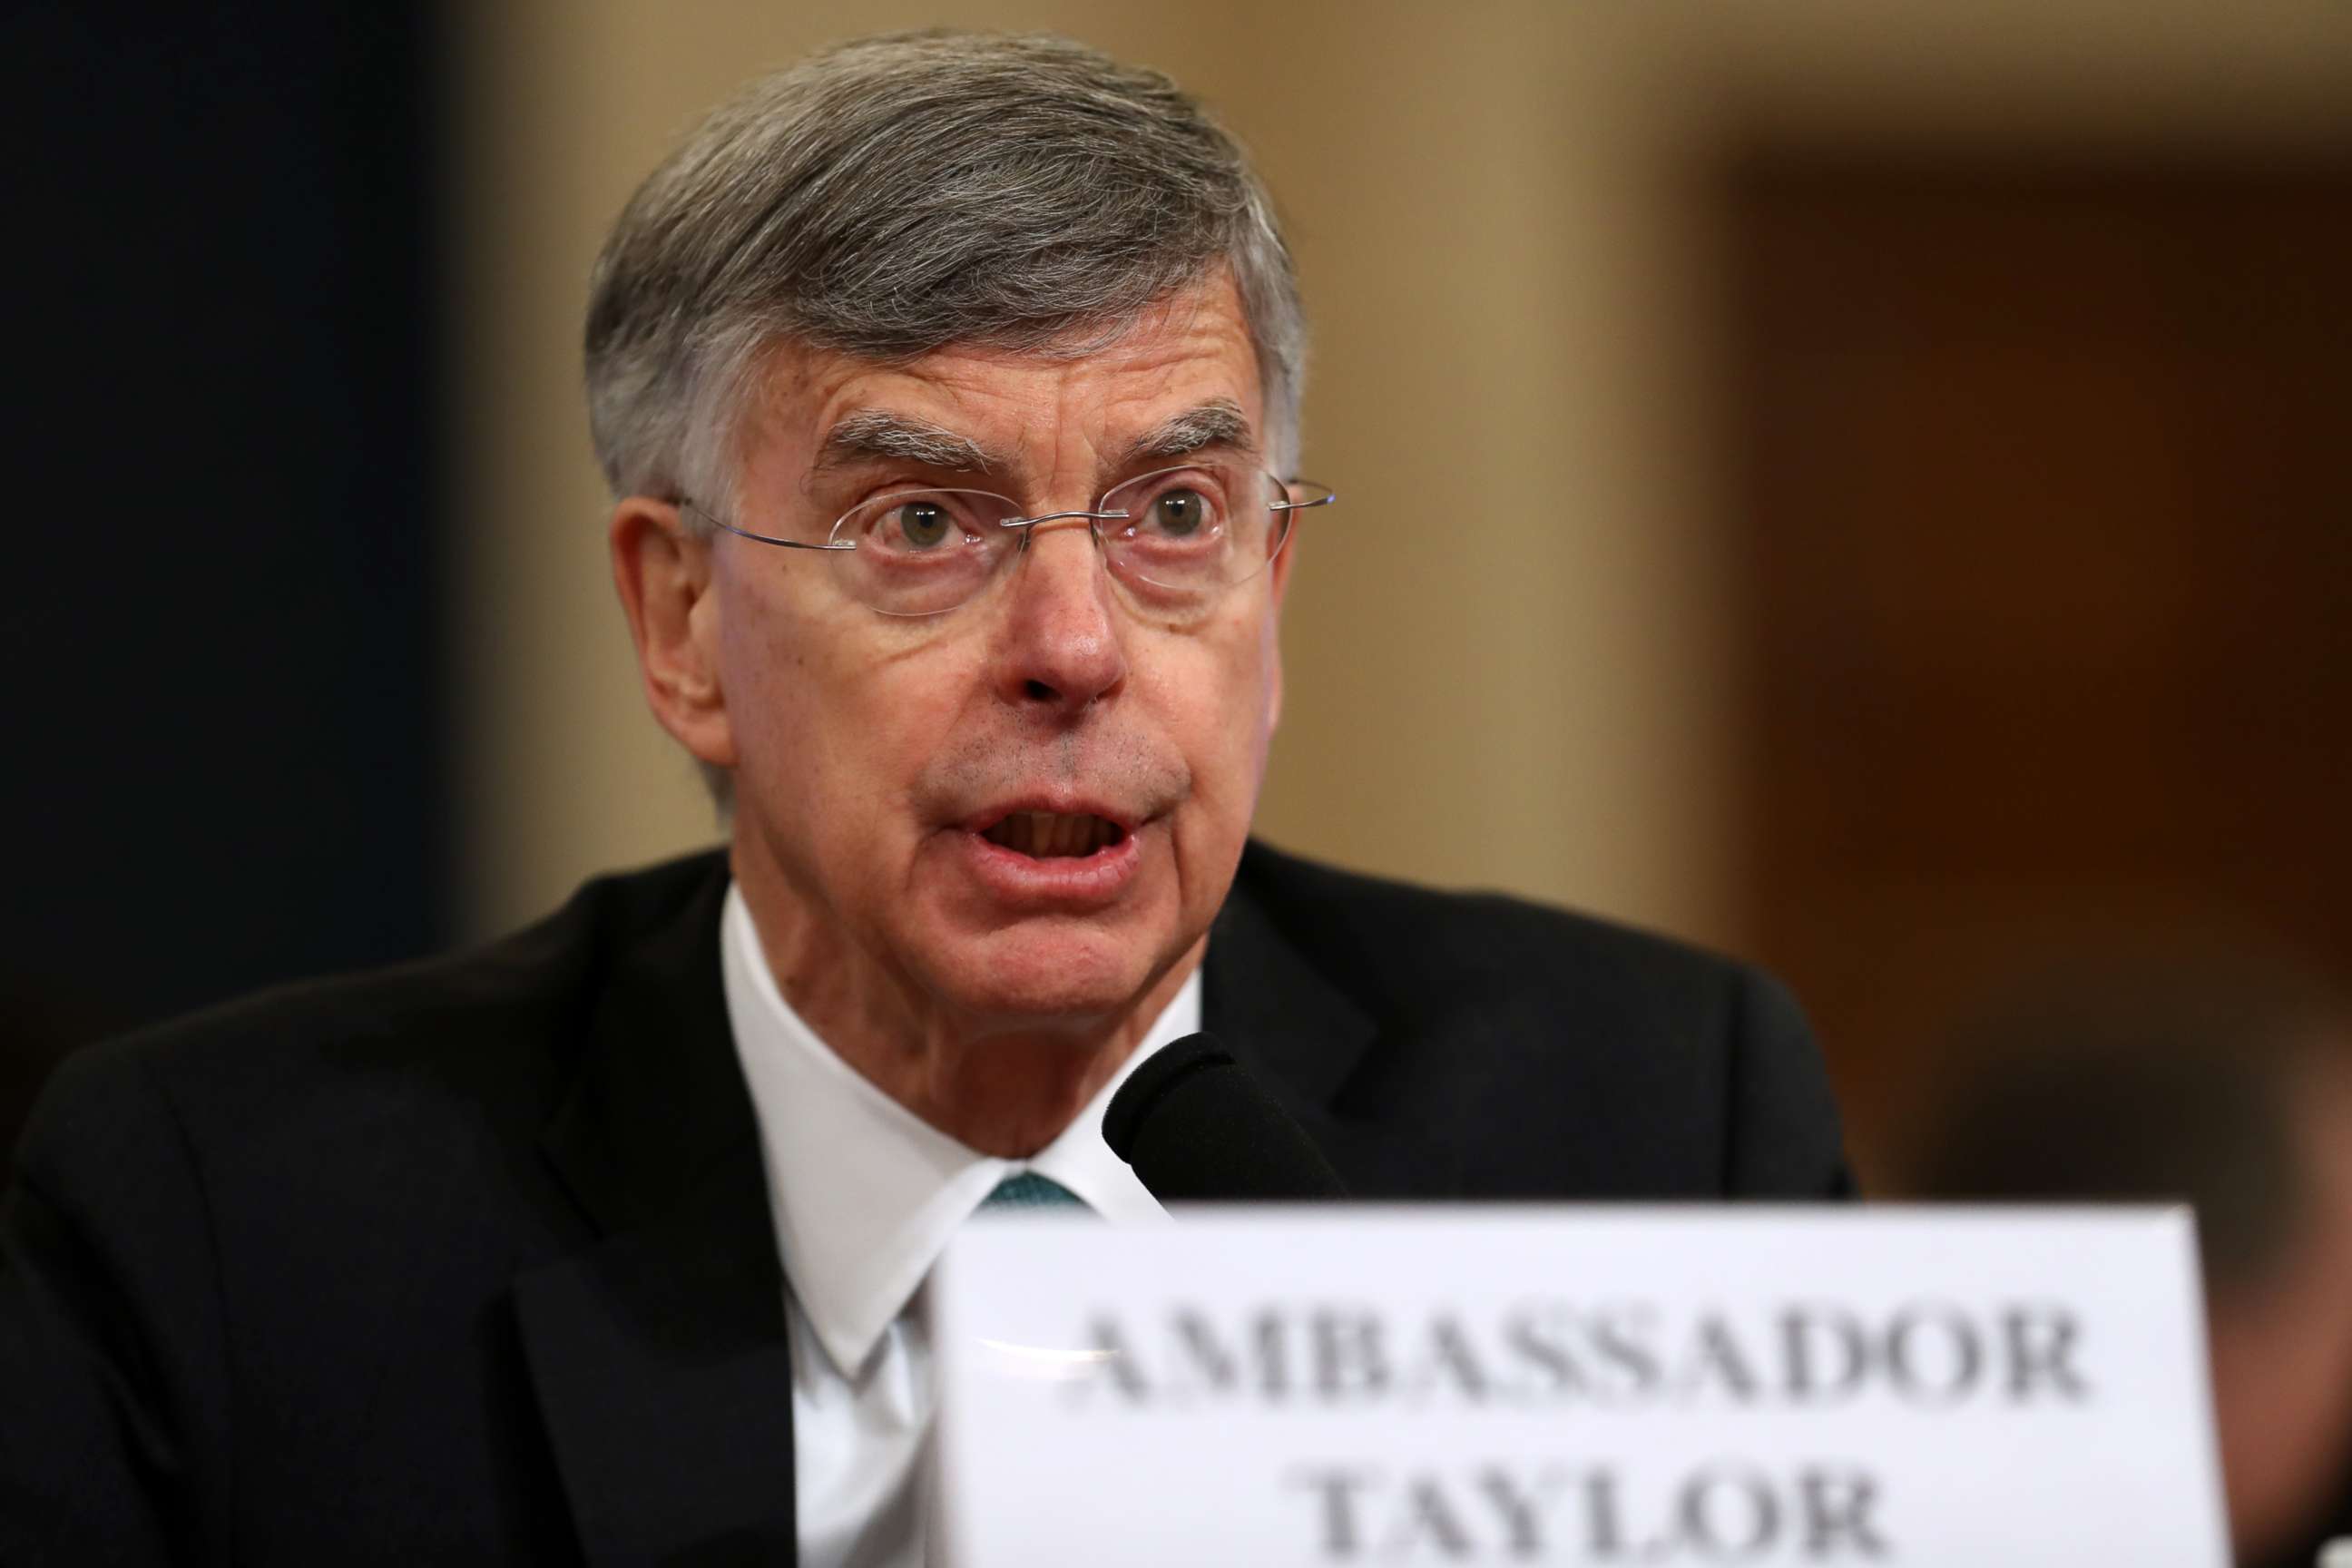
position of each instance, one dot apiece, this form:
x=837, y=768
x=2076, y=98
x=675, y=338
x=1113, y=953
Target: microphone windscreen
x=1196, y=1126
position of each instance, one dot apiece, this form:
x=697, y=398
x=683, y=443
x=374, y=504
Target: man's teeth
x=1050, y=835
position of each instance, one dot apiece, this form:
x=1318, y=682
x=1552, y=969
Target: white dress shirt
x=866, y=1196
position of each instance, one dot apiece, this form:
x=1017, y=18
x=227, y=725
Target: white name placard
x=1936, y=1388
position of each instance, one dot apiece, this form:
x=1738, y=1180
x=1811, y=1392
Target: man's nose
x=1064, y=642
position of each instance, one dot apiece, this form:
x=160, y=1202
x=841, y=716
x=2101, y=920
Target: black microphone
x=1196, y=1126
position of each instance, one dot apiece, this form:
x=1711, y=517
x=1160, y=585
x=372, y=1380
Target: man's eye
x=1177, y=513
x=919, y=525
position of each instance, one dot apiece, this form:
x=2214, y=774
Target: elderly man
x=948, y=390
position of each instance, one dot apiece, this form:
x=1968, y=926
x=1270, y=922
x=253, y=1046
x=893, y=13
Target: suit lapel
x=1304, y=1036
x=660, y=1363
x=659, y=1353
x=1274, y=1010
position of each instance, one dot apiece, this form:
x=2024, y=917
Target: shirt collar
x=865, y=1192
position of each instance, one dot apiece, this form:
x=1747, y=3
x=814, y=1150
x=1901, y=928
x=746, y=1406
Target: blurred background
x=1860, y=486
x=1863, y=488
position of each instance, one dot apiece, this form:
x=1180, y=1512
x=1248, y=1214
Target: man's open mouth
x=1052, y=836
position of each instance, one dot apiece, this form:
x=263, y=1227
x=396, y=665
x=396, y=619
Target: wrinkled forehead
x=1181, y=380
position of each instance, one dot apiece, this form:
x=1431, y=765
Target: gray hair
x=898, y=195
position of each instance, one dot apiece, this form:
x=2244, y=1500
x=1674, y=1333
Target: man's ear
x=663, y=573
x=1281, y=567
x=1273, y=692
x=1280, y=571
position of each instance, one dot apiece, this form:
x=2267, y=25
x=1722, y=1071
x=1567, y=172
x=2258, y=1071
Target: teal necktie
x=1028, y=1190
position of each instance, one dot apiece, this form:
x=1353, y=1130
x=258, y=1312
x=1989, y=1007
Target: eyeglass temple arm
x=1326, y=498
x=716, y=521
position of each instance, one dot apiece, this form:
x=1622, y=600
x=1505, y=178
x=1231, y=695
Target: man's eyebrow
x=871, y=433
x=1217, y=423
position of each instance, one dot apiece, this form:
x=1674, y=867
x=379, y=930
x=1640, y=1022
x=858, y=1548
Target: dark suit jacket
x=472, y=1260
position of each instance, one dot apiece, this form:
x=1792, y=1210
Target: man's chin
x=1046, y=974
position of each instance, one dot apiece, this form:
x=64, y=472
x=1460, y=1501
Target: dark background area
x=221, y=321
x=2046, y=535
